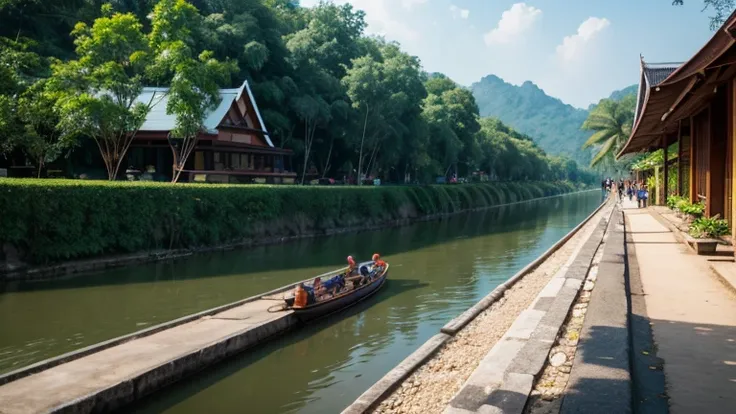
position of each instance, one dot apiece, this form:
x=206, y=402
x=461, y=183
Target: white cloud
x=458, y=12
x=514, y=22
x=572, y=46
x=409, y=4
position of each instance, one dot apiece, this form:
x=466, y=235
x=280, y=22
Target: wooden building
x=694, y=104
x=234, y=147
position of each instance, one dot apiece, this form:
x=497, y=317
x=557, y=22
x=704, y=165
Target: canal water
x=438, y=269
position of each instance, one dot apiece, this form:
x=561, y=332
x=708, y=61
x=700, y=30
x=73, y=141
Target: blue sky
x=576, y=50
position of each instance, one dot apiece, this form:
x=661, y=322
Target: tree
x=99, y=89
x=41, y=138
x=722, y=9
x=20, y=65
x=193, y=78
x=612, y=122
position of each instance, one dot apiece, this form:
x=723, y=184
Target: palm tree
x=612, y=121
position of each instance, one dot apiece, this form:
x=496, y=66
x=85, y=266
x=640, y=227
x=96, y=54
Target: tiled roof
x=652, y=74
x=158, y=120
x=657, y=74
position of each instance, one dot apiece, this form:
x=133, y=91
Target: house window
x=219, y=161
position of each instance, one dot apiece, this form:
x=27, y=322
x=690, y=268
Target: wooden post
x=693, y=163
x=665, y=144
x=732, y=141
x=679, y=158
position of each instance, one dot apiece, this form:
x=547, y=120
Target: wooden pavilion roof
x=683, y=91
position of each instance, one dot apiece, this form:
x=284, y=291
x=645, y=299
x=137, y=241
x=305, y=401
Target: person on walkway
x=621, y=190
x=630, y=192
x=642, y=196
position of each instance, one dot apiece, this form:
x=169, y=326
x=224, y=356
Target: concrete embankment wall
x=56, y=227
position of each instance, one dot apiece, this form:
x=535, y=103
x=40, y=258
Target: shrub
x=709, y=227
x=54, y=220
x=673, y=201
x=696, y=210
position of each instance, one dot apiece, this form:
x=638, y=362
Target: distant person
x=630, y=192
x=621, y=190
x=642, y=196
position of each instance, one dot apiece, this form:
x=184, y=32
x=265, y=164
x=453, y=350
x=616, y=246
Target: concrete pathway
x=600, y=380
x=693, y=318
x=106, y=379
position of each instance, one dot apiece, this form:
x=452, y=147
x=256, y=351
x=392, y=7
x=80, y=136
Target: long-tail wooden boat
x=342, y=300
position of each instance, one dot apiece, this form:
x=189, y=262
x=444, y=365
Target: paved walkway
x=693, y=318
x=117, y=375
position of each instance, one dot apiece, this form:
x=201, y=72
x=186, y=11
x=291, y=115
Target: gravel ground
x=432, y=386
x=545, y=397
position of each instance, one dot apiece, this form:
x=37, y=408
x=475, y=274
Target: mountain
x=618, y=95
x=554, y=125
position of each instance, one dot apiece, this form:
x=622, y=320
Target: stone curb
x=385, y=385
x=504, y=379
x=459, y=322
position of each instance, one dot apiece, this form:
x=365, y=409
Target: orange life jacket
x=300, y=297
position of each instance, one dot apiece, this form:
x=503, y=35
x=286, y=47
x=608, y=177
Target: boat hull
x=329, y=307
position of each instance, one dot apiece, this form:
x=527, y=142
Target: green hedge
x=54, y=220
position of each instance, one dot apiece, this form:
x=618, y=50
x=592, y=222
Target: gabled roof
x=652, y=74
x=158, y=120
x=684, y=90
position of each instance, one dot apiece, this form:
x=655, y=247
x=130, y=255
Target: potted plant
x=692, y=211
x=706, y=232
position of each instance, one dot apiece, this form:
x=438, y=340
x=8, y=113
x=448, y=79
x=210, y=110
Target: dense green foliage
x=347, y=104
x=52, y=220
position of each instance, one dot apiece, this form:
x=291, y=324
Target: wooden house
x=234, y=146
x=694, y=104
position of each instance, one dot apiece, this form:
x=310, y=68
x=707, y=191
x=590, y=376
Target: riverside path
x=118, y=375
x=692, y=317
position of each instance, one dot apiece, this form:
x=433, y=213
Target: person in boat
x=333, y=285
x=377, y=262
x=301, y=297
x=351, y=266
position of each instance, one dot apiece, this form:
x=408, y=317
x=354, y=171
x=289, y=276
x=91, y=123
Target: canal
x=438, y=269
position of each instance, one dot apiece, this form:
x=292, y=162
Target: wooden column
x=732, y=141
x=693, y=163
x=679, y=158
x=665, y=144
x=718, y=119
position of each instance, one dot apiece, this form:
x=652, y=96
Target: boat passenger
x=334, y=285
x=317, y=286
x=300, y=296
x=377, y=262
x=351, y=266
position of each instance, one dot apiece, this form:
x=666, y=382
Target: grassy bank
x=56, y=220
